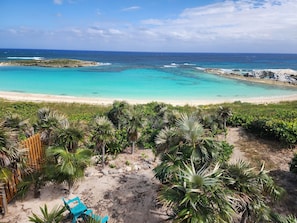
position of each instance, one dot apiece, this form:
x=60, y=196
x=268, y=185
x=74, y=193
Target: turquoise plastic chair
x=75, y=207
x=89, y=214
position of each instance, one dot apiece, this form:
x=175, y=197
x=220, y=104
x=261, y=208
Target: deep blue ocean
x=138, y=75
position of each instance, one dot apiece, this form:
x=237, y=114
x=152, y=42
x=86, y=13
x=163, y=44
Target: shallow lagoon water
x=149, y=76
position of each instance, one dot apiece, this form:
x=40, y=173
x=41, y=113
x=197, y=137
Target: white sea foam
x=171, y=65
x=25, y=58
x=200, y=68
x=189, y=64
x=104, y=64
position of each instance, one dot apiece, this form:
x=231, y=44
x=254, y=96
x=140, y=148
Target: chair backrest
x=66, y=204
x=74, y=202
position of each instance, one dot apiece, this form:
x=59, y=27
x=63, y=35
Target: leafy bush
x=226, y=152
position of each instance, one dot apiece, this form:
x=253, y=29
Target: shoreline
x=31, y=97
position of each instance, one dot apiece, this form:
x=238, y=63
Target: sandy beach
x=16, y=96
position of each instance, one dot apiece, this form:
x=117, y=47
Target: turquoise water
x=135, y=83
x=147, y=76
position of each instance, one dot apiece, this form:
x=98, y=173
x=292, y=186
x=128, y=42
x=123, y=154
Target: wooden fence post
x=4, y=201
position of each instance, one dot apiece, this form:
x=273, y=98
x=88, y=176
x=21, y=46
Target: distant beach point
x=40, y=62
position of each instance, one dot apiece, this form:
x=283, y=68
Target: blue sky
x=268, y=26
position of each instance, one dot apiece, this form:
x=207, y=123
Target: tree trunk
x=103, y=155
x=133, y=147
x=245, y=215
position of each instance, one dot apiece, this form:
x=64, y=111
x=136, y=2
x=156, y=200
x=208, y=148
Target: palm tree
x=69, y=137
x=119, y=113
x=68, y=166
x=102, y=133
x=48, y=122
x=11, y=157
x=136, y=121
x=224, y=113
x=15, y=122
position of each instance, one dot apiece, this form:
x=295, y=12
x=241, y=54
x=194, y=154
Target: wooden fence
x=36, y=152
x=35, y=157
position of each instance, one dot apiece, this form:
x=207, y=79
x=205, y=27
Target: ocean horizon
x=143, y=75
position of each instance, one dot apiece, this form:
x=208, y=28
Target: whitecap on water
x=25, y=58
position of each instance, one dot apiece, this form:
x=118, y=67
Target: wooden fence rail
x=35, y=158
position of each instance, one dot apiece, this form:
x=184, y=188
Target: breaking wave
x=25, y=58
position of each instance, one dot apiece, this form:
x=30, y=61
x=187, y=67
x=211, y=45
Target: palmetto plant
x=16, y=123
x=169, y=168
x=53, y=216
x=192, y=134
x=252, y=189
x=67, y=166
x=5, y=174
x=178, y=144
x=198, y=196
x=166, y=138
x=190, y=129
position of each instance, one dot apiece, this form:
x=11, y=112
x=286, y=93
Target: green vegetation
x=274, y=121
x=53, y=216
x=198, y=183
x=74, y=111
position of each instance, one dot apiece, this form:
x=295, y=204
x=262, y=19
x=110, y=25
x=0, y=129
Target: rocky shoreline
x=285, y=77
x=55, y=63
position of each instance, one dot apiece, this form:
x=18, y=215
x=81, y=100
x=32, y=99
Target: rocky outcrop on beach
x=285, y=76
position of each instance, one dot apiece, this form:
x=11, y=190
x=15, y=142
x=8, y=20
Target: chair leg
x=74, y=220
x=104, y=219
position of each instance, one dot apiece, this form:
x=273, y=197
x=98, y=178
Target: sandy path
x=126, y=193
x=233, y=136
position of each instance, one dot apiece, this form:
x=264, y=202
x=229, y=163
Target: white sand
x=126, y=193
x=16, y=96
